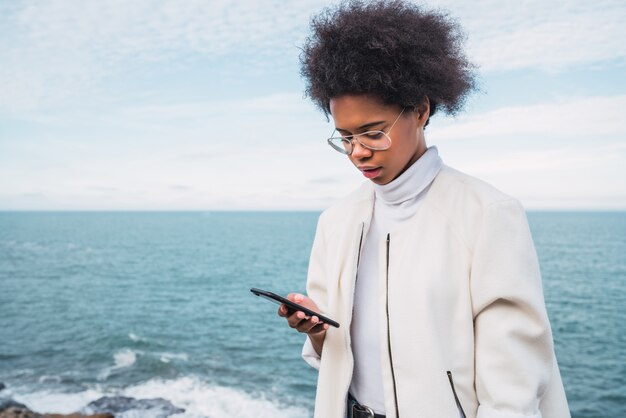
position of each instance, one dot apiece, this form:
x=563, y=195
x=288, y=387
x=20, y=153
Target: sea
x=149, y=305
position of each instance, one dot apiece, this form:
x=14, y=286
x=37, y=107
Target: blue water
x=157, y=305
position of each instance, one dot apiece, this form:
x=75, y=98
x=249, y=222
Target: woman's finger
x=295, y=319
x=282, y=310
x=309, y=325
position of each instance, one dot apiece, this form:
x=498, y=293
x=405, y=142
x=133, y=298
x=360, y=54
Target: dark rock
x=2, y=386
x=158, y=407
x=18, y=412
x=12, y=409
x=77, y=415
x=10, y=403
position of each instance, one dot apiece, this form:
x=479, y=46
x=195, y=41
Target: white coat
x=459, y=291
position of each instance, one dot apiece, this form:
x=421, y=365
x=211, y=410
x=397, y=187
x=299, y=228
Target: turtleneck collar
x=413, y=181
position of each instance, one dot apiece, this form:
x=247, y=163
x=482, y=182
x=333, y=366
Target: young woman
x=431, y=273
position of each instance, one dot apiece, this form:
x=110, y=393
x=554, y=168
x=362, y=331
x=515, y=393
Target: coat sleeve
x=513, y=341
x=316, y=288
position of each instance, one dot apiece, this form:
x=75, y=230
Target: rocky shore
x=104, y=407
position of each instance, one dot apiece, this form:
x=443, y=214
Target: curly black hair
x=393, y=50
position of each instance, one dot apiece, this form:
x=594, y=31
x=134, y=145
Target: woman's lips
x=370, y=173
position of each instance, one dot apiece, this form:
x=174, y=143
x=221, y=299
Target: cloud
x=555, y=160
x=551, y=175
x=547, y=35
x=180, y=188
x=324, y=180
x=102, y=188
x=555, y=45
x=586, y=116
x=282, y=103
x=61, y=60
x=54, y=51
x=157, y=29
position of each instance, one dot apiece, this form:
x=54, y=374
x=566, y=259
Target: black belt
x=356, y=410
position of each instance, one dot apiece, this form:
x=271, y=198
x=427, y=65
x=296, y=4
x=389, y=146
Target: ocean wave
x=199, y=398
x=56, y=402
x=136, y=338
x=168, y=357
x=50, y=378
x=123, y=358
x=127, y=357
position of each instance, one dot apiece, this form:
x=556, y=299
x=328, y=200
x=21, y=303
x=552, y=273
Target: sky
x=199, y=105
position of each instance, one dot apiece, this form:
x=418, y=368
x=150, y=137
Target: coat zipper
x=393, y=374
x=358, y=260
x=456, y=398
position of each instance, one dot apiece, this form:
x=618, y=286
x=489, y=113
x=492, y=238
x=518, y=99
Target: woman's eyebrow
x=366, y=126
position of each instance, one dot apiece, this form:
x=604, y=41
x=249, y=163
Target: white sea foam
x=199, y=399
x=49, y=378
x=123, y=358
x=63, y=403
x=136, y=338
x=168, y=357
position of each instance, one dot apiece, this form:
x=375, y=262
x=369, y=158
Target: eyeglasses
x=374, y=140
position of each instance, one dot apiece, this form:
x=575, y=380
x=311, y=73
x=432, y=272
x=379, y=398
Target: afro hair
x=393, y=50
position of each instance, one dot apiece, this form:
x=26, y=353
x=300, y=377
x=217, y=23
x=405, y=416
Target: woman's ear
x=423, y=112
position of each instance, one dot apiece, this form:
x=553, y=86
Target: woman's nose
x=359, y=151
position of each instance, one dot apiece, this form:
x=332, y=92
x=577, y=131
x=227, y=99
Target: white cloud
x=276, y=158
x=570, y=154
x=58, y=49
x=118, y=28
x=279, y=103
x=256, y=153
x=549, y=35
x=554, y=175
x=55, y=50
x=268, y=152
x=557, y=44
x=580, y=117
x=552, y=159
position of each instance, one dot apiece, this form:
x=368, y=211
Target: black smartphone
x=292, y=306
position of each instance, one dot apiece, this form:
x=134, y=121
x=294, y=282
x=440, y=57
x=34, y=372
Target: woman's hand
x=312, y=326
x=298, y=320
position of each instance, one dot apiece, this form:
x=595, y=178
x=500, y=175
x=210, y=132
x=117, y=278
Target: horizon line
x=580, y=210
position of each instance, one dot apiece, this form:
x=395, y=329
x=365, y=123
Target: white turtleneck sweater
x=394, y=204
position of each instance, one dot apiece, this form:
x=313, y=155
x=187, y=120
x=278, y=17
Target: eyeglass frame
x=355, y=137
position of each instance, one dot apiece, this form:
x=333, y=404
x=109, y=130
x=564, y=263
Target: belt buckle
x=363, y=409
